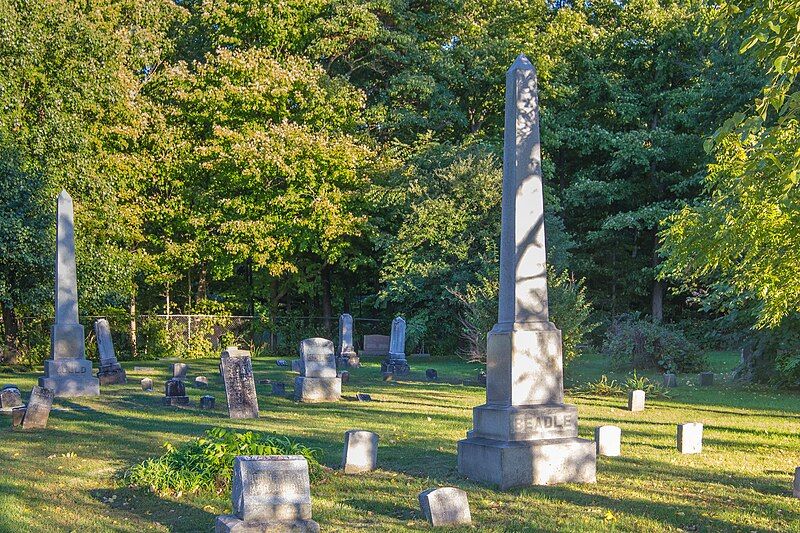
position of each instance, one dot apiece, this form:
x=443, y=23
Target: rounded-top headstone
x=445, y=506
x=360, y=451
x=608, y=440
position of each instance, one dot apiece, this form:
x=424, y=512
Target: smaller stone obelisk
x=396, y=363
x=347, y=355
x=68, y=373
x=524, y=434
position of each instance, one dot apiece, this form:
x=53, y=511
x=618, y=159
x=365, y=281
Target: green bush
x=205, y=465
x=652, y=390
x=641, y=344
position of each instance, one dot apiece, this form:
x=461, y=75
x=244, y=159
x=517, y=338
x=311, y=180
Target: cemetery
x=348, y=266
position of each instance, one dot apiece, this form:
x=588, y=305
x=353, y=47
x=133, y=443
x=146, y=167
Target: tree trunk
x=326, y=297
x=10, y=333
x=657, y=301
x=202, y=282
x=132, y=332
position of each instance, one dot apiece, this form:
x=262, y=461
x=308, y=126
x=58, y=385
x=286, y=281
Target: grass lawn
x=63, y=478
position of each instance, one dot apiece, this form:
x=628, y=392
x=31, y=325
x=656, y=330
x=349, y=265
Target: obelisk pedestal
x=67, y=373
x=396, y=363
x=524, y=434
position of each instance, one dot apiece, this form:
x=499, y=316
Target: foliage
x=636, y=382
x=601, y=387
x=642, y=344
x=205, y=464
x=569, y=310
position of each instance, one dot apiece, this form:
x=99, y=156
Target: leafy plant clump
x=641, y=344
x=651, y=389
x=601, y=387
x=605, y=387
x=205, y=465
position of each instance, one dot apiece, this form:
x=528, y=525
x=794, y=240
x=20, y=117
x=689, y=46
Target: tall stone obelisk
x=524, y=434
x=68, y=373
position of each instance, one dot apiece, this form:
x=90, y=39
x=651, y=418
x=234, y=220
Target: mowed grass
x=64, y=478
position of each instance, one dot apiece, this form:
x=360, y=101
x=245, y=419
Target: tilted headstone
x=269, y=493
x=706, y=379
x=17, y=416
x=147, y=384
x=636, y=400
x=67, y=373
x=38, y=410
x=207, y=402
x=111, y=372
x=175, y=393
x=796, y=484
x=445, y=506
x=318, y=381
x=240, y=386
x=360, y=451
x=201, y=382
x=376, y=345
x=524, y=434
x=363, y=397
x=10, y=398
x=670, y=380
x=180, y=370
x=608, y=440
x=347, y=356
x=396, y=362
x=690, y=437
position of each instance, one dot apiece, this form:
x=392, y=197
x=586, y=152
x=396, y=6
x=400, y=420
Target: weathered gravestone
x=17, y=416
x=345, y=376
x=201, y=382
x=396, y=362
x=179, y=371
x=38, y=410
x=690, y=437
x=10, y=398
x=431, y=374
x=279, y=388
x=360, y=451
x=67, y=373
x=706, y=379
x=175, y=393
x=608, y=440
x=147, y=384
x=636, y=400
x=670, y=380
x=240, y=386
x=347, y=355
x=318, y=382
x=376, y=345
x=207, y=402
x=445, y=506
x=363, y=397
x=796, y=484
x=111, y=372
x=269, y=493
x=524, y=434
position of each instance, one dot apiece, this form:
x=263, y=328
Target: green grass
x=741, y=481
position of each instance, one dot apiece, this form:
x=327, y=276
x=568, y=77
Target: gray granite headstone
x=240, y=385
x=346, y=355
x=445, y=506
x=175, y=393
x=10, y=398
x=38, y=409
x=636, y=400
x=318, y=381
x=524, y=434
x=180, y=370
x=111, y=372
x=796, y=484
x=706, y=379
x=690, y=437
x=269, y=493
x=67, y=373
x=207, y=402
x=17, y=416
x=670, y=380
x=376, y=345
x=360, y=451
x=431, y=374
x=608, y=440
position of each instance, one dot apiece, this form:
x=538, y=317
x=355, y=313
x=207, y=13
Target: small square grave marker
x=445, y=506
x=690, y=437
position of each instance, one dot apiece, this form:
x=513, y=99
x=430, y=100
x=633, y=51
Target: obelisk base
x=69, y=378
x=525, y=463
x=232, y=524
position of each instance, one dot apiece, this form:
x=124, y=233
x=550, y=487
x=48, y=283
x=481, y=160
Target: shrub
x=641, y=344
x=205, y=465
x=601, y=387
x=636, y=382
